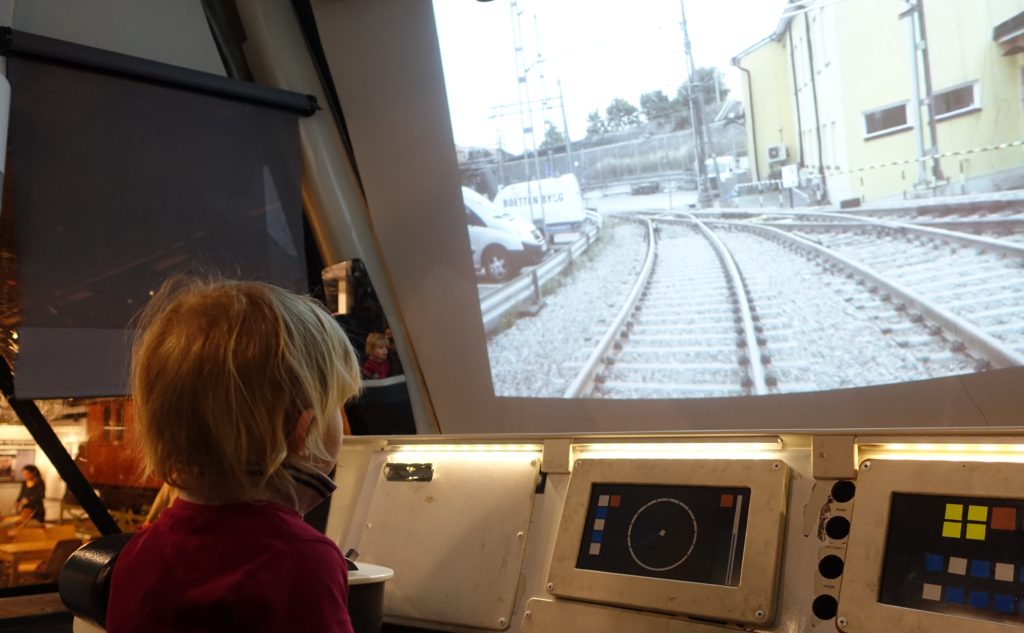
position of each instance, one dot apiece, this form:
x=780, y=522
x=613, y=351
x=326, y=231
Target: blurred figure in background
x=29, y=504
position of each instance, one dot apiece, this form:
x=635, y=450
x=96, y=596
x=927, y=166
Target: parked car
x=554, y=205
x=502, y=243
x=645, y=188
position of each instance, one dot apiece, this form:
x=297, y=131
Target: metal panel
x=752, y=601
x=456, y=543
x=563, y=616
x=859, y=608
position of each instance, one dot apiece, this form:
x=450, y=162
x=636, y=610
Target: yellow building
x=832, y=90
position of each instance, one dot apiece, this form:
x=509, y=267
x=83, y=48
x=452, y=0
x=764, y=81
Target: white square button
x=595, y=549
x=599, y=525
x=931, y=592
x=957, y=565
x=1004, y=572
x=602, y=500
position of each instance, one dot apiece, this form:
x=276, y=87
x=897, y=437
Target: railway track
x=727, y=307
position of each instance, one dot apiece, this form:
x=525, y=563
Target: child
x=376, y=364
x=237, y=390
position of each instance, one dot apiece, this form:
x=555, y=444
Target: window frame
x=887, y=131
x=975, y=101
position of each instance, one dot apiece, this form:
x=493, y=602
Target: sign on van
x=556, y=203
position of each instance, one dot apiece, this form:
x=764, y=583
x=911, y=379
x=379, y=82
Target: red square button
x=616, y=500
x=1004, y=518
x=726, y=501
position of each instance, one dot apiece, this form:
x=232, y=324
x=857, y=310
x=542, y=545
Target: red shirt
x=235, y=567
x=376, y=368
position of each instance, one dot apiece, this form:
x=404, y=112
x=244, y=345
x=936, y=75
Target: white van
x=501, y=242
x=553, y=203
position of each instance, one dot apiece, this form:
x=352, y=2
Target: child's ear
x=297, y=444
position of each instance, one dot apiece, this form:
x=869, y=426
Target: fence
x=656, y=157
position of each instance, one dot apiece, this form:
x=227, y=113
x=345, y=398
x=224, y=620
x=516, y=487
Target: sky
x=597, y=49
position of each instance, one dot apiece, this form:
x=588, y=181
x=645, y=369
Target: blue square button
x=597, y=537
x=978, y=599
x=981, y=568
x=934, y=562
x=955, y=595
x=1004, y=603
x=602, y=513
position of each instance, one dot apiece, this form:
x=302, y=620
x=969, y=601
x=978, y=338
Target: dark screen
x=955, y=555
x=119, y=184
x=690, y=533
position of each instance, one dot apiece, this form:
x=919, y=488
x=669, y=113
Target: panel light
x=742, y=448
x=464, y=452
x=953, y=451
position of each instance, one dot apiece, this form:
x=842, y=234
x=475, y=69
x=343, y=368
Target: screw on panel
x=866, y=465
x=579, y=462
x=759, y=614
x=369, y=525
x=520, y=535
x=551, y=586
x=528, y=615
x=841, y=622
x=776, y=466
x=501, y=622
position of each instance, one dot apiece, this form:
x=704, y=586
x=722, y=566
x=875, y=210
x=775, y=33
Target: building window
x=956, y=101
x=886, y=120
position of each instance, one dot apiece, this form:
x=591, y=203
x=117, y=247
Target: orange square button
x=1004, y=518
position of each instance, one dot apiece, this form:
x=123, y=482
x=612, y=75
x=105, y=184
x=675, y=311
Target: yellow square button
x=951, y=529
x=954, y=512
x=977, y=513
x=976, y=531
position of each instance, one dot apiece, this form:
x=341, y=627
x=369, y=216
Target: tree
x=595, y=124
x=708, y=82
x=656, y=106
x=552, y=136
x=622, y=114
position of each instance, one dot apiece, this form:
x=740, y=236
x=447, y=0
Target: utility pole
x=526, y=118
x=696, y=117
x=915, y=99
x=565, y=128
x=914, y=14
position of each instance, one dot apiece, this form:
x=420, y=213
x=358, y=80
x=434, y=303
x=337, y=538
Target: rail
x=584, y=380
x=756, y=367
x=996, y=352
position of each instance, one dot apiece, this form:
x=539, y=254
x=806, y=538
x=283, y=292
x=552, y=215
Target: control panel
x=694, y=537
x=652, y=531
x=936, y=546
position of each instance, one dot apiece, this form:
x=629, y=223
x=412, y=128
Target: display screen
x=691, y=533
x=783, y=265
x=958, y=555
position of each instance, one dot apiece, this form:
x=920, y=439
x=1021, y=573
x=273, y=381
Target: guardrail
x=526, y=288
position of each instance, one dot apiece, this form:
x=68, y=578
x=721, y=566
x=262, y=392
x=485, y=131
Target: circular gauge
x=662, y=534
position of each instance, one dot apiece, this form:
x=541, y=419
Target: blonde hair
x=373, y=339
x=221, y=373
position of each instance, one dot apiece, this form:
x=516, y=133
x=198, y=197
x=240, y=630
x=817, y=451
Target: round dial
x=662, y=534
